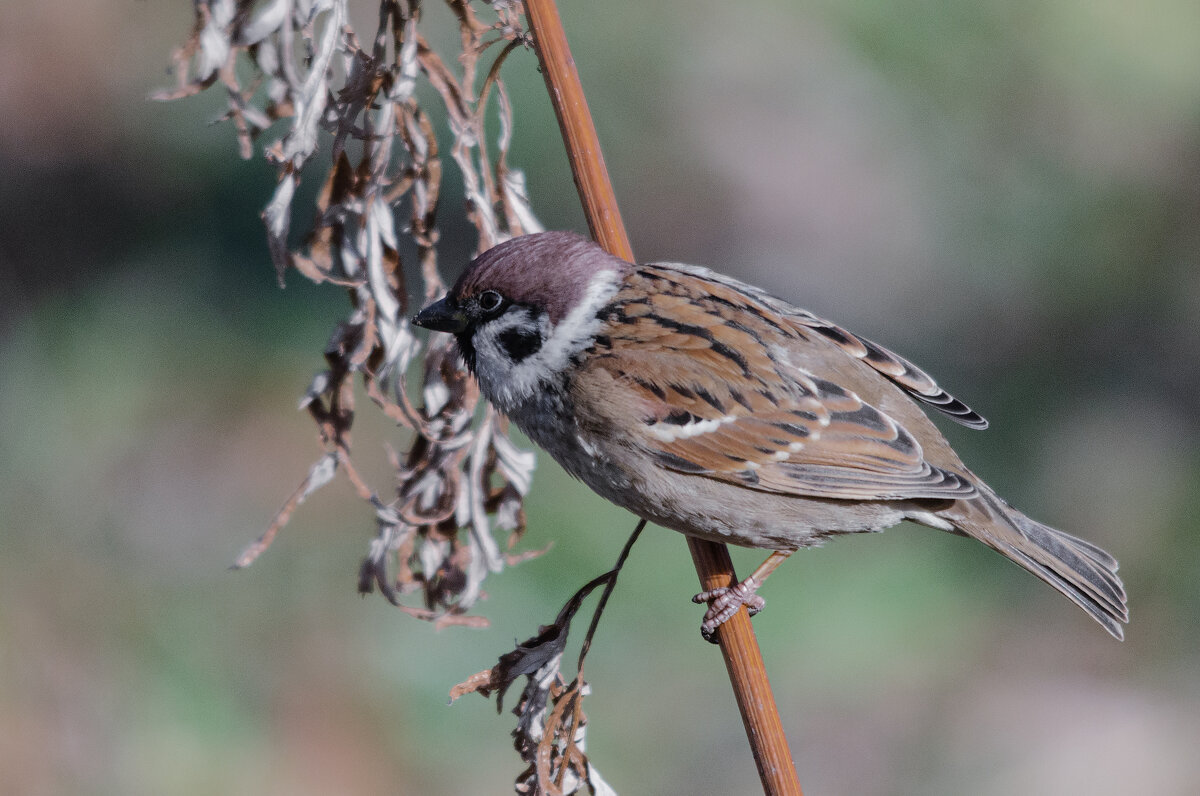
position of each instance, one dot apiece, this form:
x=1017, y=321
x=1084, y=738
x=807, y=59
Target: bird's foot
x=724, y=602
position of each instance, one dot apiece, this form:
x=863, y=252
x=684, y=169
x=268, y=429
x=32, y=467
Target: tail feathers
x=1082, y=571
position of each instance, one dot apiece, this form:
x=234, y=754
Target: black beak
x=442, y=316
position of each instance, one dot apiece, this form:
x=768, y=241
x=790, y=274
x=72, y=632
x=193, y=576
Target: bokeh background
x=1006, y=192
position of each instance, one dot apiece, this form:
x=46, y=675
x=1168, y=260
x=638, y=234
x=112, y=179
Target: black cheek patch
x=520, y=344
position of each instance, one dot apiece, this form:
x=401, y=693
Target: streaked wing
x=826, y=443
x=906, y=375
x=733, y=406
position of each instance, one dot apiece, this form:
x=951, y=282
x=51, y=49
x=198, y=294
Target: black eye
x=490, y=301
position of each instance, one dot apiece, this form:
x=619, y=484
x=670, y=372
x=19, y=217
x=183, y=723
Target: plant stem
x=739, y=646
x=748, y=674
x=578, y=131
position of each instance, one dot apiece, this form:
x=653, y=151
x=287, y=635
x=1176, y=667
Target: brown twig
x=736, y=637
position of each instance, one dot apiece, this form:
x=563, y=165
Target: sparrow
x=708, y=406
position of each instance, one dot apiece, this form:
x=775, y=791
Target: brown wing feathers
x=737, y=408
x=906, y=375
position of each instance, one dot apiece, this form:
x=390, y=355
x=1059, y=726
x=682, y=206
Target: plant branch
x=608, y=589
x=739, y=646
x=578, y=131
x=748, y=674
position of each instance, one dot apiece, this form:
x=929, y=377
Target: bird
x=708, y=406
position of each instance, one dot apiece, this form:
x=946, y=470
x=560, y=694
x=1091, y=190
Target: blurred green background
x=1006, y=192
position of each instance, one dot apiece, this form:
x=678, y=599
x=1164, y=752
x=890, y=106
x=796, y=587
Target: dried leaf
x=294, y=71
x=551, y=728
x=534, y=655
x=320, y=474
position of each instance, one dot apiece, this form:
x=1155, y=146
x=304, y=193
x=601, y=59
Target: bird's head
x=522, y=309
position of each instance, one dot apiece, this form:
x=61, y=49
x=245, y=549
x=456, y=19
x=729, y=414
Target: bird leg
x=724, y=602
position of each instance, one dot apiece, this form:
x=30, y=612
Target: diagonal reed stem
x=747, y=674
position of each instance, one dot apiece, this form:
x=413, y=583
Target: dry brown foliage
x=551, y=726
x=295, y=70
x=297, y=66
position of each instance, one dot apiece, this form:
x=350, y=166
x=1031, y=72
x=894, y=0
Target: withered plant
x=331, y=111
x=349, y=117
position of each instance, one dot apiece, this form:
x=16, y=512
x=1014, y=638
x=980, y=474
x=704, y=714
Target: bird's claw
x=724, y=602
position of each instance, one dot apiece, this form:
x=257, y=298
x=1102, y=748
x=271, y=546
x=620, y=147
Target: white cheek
x=576, y=331
x=499, y=377
x=507, y=384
